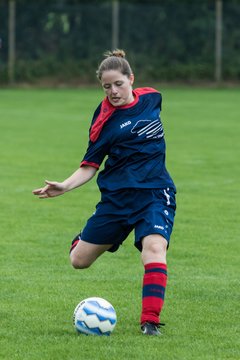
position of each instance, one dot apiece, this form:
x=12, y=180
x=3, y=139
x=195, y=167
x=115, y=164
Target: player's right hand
x=52, y=189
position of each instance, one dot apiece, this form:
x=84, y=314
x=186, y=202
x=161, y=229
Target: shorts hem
x=113, y=248
x=138, y=242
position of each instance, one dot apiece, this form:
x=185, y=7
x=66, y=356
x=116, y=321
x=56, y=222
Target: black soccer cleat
x=149, y=328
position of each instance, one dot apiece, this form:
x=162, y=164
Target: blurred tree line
x=164, y=39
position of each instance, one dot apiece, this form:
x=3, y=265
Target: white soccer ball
x=94, y=316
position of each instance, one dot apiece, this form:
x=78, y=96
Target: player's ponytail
x=114, y=60
x=116, y=52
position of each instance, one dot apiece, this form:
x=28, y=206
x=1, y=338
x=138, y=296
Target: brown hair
x=114, y=60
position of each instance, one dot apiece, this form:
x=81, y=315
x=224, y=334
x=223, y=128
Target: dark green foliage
x=164, y=40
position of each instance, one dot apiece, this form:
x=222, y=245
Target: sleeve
x=95, y=153
x=157, y=100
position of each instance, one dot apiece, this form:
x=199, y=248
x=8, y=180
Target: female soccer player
x=137, y=192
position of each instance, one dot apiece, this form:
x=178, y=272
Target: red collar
x=107, y=109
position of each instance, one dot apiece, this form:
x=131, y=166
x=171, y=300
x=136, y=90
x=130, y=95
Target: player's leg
x=104, y=231
x=154, y=249
x=85, y=253
x=153, y=233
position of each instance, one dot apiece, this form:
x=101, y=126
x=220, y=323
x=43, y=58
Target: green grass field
x=43, y=136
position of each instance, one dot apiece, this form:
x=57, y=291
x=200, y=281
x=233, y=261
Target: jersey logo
x=149, y=128
x=125, y=124
x=158, y=227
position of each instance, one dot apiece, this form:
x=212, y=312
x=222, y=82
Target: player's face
x=117, y=87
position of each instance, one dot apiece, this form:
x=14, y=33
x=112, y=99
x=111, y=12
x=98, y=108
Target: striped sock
x=154, y=284
x=74, y=243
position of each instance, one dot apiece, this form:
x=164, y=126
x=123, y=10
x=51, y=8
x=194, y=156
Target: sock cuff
x=151, y=266
x=156, y=268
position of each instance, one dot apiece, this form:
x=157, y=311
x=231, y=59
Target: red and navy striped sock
x=154, y=284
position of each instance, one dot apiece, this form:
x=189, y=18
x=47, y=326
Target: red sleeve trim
x=88, y=163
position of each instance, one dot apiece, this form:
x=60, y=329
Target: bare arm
x=78, y=178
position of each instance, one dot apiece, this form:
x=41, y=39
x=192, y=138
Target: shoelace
x=157, y=325
x=160, y=325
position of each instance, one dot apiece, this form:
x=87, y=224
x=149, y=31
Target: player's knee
x=156, y=248
x=79, y=263
x=154, y=245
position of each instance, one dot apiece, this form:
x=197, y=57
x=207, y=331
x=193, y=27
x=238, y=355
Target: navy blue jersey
x=132, y=138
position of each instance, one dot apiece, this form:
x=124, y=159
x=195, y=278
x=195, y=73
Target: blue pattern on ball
x=83, y=329
x=104, y=314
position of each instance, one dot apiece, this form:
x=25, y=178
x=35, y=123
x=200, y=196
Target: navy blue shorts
x=147, y=211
